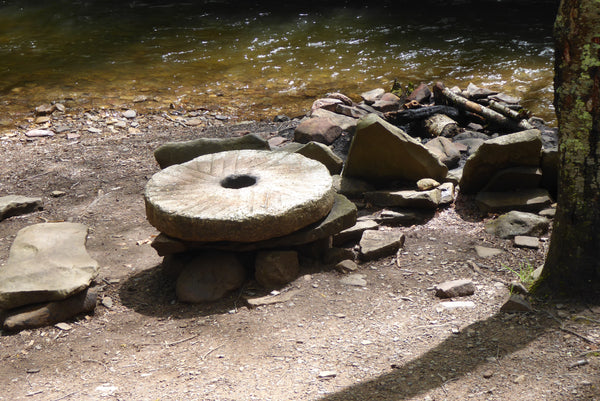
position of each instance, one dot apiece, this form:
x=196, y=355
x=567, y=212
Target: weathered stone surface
x=47, y=314
x=325, y=103
x=345, y=99
x=243, y=195
x=525, y=200
x=354, y=233
x=342, y=215
x=37, y=133
x=517, y=223
x=377, y=244
x=518, y=149
x=455, y=288
x=274, y=269
x=208, y=276
x=425, y=184
x=351, y=187
x=372, y=96
x=403, y=217
x=486, y=252
x=46, y=262
x=180, y=152
x=355, y=279
x=516, y=303
x=350, y=111
x=421, y=94
x=381, y=152
x=346, y=266
x=15, y=205
x=322, y=153
x=344, y=122
x=446, y=193
x=548, y=212
x=525, y=241
x=417, y=199
x=445, y=150
x=387, y=102
x=317, y=129
x=514, y=178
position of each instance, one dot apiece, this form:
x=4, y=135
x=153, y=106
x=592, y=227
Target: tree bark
x=572, y=265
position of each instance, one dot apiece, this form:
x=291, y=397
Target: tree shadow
x=455, y=357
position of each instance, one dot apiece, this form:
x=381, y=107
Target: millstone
x=241, y=195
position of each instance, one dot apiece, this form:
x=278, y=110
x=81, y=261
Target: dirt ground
x=389, y=340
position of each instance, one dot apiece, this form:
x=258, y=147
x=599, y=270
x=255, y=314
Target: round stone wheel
x=241, y=195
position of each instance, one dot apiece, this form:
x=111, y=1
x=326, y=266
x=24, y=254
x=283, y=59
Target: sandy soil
x=389, y=340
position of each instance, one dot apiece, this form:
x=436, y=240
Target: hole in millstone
x=237, y=181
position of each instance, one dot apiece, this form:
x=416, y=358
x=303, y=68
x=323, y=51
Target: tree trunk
x=572, y=265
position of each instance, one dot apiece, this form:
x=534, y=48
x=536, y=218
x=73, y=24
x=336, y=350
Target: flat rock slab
x=517, y=223
x=355, y=232
x=47, y=262
x=455, y=288
x=376, y=244
x=525, y=200
x=408, y=198
x=486, y=252
x=242, y=195
x=15, y=205
x=525, y=241
x=180, y=152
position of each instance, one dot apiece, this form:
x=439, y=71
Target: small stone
x=36, y=133
x=42, y=120
x=484, y=252
x=57, y=194
x=94, y=130
x=276, y=268
x=524, y=241
x=327, y=374
x=129, y=113
x=44, y=109
x=455, y=288
x=107, y=302
x=519, y=379
x=375, y=244
x=516, y=303
x=346, y=266
x=60, y=107
x=63, y=326
x=354, y=279
x=425, y=184
x=487, y=374
x=457, y=304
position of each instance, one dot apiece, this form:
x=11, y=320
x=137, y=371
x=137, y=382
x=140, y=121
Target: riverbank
x=387, y=339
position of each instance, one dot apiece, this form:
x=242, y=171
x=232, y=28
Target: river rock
x=322, y=153
x=209, y=276
x=242, y=196
x=36, y=133
x=346, y=266
x=376, y=244
x=514, y=178
x=381, y=152
x=325, y=103
x=512, y=150
x=445, y=150
x=317, y=129
x=426, y=184
x=421, y=94
x=46, y=262
x=47, y=314
x=275, y=269
x=15, y=205
x=344, y=122
x=387, y=102
x=526, y=200
x=517, y=223
x=407, y=198
x=455, y=288
x=525, y=241
x=341, y=216
x=350, y=111
x=180, y=152
x=372, y=96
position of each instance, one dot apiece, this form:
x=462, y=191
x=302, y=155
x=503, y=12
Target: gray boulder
x=180, y=152
x=46, y=262
x=322, y=153
x=382, y=152
x=518, y=149
x=346, y=123
x=317, y=129
x=517, y=223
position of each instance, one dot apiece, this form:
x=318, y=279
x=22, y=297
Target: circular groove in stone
x=190, y=201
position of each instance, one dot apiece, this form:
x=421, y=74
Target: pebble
x=63, y=326
x=129, y=113
x=35, y=133
x=107, y=302
x=487, y=374
x=57, y=194
x=327, y=374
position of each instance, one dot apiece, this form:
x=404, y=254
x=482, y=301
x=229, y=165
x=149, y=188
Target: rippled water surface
x=256, y=60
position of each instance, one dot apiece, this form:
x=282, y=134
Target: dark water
x=259, y=59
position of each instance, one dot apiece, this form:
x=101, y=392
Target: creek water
x=260, y=59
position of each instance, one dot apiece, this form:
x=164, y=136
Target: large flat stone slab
x=516, y=223
x=47, y=262
x=376, y=244
x=525, y=200
x=242, y=195
x=382, y=152
x=408, y=198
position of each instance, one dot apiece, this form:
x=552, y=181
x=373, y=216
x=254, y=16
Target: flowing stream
x=260, y=59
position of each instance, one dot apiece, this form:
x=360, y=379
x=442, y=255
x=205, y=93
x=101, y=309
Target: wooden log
x=440, y=125
x=490, y=115
x=406, y=116
x=515, y=115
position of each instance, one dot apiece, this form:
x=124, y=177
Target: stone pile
x=228, y=207
x=47, y=276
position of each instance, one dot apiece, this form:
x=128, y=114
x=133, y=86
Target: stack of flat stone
x=47, y=276
x=217, y=207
